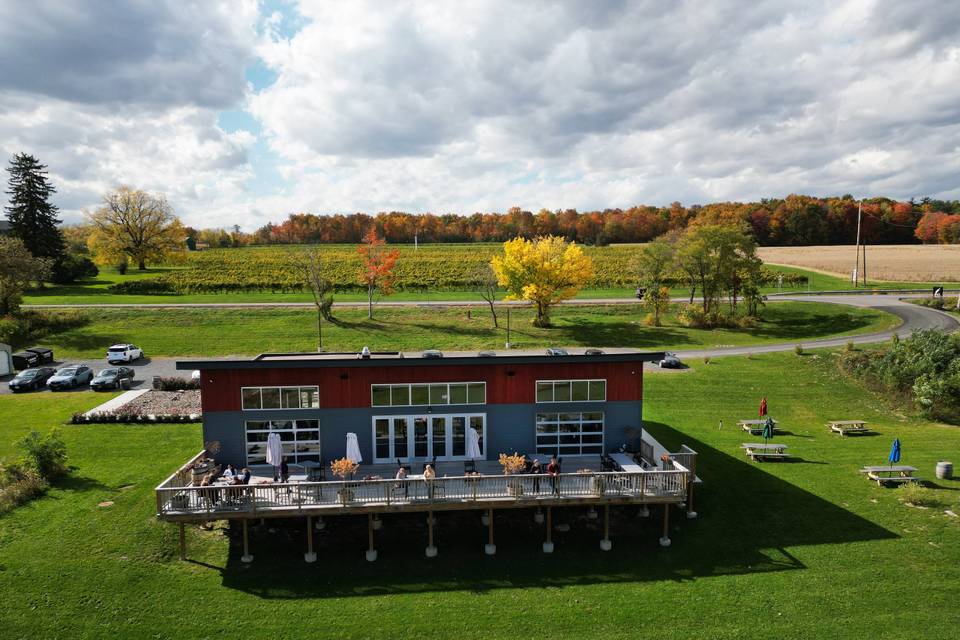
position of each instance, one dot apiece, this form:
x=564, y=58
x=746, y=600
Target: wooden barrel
x=944, y=470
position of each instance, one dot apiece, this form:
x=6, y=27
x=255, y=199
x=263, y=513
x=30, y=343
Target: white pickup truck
x=123, y=353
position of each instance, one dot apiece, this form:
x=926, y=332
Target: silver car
x=70, y=377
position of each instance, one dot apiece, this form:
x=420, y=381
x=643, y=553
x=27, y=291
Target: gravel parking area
x=145, y=369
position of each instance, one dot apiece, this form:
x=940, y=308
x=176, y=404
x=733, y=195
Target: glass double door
x=425, y=437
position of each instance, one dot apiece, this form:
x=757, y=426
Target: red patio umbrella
x=763, y=407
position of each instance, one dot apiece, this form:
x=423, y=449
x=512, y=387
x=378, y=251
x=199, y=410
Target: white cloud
x=442, y=106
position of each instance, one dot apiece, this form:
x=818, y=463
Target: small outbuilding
x=6, y=360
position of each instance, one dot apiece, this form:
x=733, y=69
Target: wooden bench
x=755, y=427
x=848, y=427
x=884, y=474
x=757, y=451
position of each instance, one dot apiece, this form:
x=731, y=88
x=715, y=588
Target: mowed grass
x=808, y=549
x=217, y=332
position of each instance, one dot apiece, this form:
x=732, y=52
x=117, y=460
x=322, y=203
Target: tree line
x=796, y=220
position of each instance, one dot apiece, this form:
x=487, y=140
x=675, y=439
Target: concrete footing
x=538, y=517
x=664, y=542
x=563, y=528
x=691, y=515
x=371, y=555
x=548, y=547
x=485, y=520
x=490, y=549
x=644, y=512
x=377, y=524
x=319, y=525
x=592, y=513
x=247, y=558
x=310, y=556
x=431, y=552
x=606, y=545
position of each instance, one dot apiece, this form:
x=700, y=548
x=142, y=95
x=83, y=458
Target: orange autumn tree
x=377, y=265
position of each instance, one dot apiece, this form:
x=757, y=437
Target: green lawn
x=95, y=291
x=214, y=332
x=789, y=550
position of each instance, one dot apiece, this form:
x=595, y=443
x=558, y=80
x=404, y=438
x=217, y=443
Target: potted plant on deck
x=344, y=468
x=513, y=465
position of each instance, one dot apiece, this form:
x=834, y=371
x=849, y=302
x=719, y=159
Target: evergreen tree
x=32, y=218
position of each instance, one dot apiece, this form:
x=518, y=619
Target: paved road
x=914, y=317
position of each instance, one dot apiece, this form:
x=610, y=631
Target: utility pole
x=856, y=265
x=415, y=243
x=508, y=327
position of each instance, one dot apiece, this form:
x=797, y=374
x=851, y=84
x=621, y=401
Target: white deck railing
x=222, y=501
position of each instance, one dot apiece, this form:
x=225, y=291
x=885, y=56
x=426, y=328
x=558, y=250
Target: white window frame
x=410, y=436
x=560, y=447
x=568, y=381
x=292, y=458
x=410, y=385
x=312, y=387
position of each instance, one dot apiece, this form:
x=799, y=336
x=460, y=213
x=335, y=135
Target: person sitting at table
x=243, y=477
x=536, y=470
x=210, y=495
x=553, y=470
x=229, y=472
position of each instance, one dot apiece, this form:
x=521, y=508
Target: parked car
x=123, y=353
x=670, y=361
x=70, y=376
x=115, y=378
x=31, y=379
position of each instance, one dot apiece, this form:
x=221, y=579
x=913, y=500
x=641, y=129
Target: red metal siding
x=221, y=388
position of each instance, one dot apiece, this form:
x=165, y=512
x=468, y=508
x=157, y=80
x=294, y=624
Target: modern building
x=420, y=406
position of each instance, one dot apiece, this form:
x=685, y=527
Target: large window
x=300, y=440
x=424, y=437
x=570, y=434
x=280, y=397
x=571, y=390
x=422, y=395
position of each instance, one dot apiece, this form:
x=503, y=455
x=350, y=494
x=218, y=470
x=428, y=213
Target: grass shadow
x=748, y=519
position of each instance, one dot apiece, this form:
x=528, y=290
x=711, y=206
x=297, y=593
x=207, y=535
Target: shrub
x=74, y=267
x=798, y=349
x=706, y=359
x=45, y=455
x=175, y=383
x=26, y=327
x=122, y=266
x=850, y=346
x=18, y=484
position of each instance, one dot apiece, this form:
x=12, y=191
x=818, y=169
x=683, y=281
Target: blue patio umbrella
x=894, y=456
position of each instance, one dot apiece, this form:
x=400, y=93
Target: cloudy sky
x=242, y=111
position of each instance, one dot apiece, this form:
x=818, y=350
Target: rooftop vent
x=557, y=351
x=364, y=353
x=433, y=353
x=593, y=352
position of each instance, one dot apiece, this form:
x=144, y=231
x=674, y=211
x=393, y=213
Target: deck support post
x=319, y=524
x=371, y=552
x=665, y=538
x=644, y=511
x=605, y=544
x=538, y=516
x=377, y=522
x=431, y=550
x=246, y=557
x=490, y=548
x=548, y=545
x=310, y=555
x=591, y=513
x=183, y=542
x=691, y=514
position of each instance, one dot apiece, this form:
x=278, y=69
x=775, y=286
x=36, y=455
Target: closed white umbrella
x=274, y=449
x=353, y=448
x=473, y=444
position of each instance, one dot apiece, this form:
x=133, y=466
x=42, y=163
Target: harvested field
x=893, y=263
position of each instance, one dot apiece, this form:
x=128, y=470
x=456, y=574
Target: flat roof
x=417, y=358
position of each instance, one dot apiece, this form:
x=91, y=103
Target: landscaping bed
x=152, y=406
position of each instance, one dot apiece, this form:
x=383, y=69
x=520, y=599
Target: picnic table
x=765, y=450
x=755, y=427
x=891, y=474
x=847, y=427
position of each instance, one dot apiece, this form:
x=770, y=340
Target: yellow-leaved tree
x=544, y=271
x=135, y=225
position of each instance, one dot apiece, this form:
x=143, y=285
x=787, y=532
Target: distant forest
x=791, y=221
